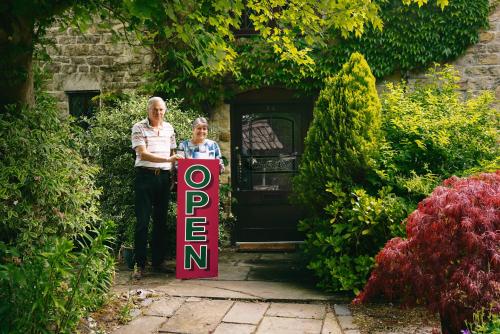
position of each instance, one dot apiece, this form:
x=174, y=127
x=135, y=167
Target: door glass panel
x=268, y=156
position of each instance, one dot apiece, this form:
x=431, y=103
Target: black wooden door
x=267, y=145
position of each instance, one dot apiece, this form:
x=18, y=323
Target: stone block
x=494, y=71
x=164, y=307
x=490, y=59
x=493, y=48
x=93, y=60
x=481, y=83
x=476, y=71
x=61, y=60
x=83, y=68
x=75, y=49
x=117, y=50
x=65, y=40
x=276, y=325
x=303, y=311
x=486, y=37
x=141, y=325
x=68, y=69
x=53, y=67
x=225, y=328
x=346, y=322
x=246, y=313
x=197, y=317
x=330, y=325
x=88, y=39
x=341, y=309
x=98, y=50
x=225, y=136
x=78, y=60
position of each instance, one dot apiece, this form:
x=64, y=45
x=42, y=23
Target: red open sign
x=197, y=218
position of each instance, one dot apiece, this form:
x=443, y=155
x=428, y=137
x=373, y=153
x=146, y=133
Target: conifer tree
x=342, y=139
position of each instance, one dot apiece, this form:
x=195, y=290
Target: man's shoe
x=138, y=273
x=162, y=269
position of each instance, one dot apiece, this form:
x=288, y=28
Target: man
x=153, y=140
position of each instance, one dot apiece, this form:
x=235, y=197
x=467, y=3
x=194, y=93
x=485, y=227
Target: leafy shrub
x=429, y=133
x=342, y=139
x=483, y=323
x=343, y=249
x=52, y=288
x=52, y=272
x=432, y=133
x=349, y=220
x=451, y=259
x=46, y=188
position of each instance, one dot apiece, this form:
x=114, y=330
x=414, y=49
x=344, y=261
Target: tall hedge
x=55, y=262
x=341, y=143
x=46, y=187
x=350, y=215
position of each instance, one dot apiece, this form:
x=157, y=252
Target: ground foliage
x=450, y=261
x=50, y=290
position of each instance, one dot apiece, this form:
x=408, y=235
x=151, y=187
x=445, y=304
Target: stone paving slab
x=277, y=325
x=341, y=309
x=227, y=273
x=346, y=322
x=225, y=328
x=303, y=311
x=197, y=317
x=256, y=290
x=141, y=325
x=164, y=307
x=202, y=288
x=330, y=325
x=246, y=313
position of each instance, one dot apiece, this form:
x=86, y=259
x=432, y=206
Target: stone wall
x=479, y=66
x=93, y=61
x=220, y=121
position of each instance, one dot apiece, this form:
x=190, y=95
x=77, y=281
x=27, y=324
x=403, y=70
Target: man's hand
x=176, y=157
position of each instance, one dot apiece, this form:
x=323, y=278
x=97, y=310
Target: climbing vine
x=412, y=38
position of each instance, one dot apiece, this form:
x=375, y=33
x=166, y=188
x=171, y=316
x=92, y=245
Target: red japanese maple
x=451, y=259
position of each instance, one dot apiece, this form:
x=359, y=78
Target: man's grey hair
x=154, y=99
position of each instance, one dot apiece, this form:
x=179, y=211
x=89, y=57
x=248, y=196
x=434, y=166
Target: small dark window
x=81, y=104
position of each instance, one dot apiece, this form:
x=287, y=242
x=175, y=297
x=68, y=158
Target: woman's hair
x=198, y=121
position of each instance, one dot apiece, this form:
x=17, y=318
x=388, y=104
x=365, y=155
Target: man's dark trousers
x=152, y=194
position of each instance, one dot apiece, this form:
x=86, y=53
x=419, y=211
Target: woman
x=199, y=147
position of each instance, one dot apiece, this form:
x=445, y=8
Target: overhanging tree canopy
x=205, y=27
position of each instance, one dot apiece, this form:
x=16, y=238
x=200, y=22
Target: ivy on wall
x=412, y=38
